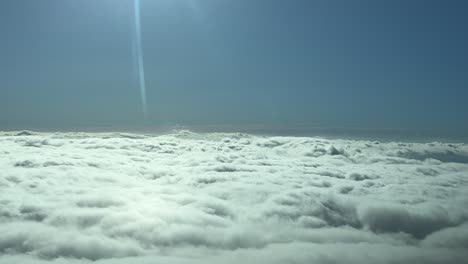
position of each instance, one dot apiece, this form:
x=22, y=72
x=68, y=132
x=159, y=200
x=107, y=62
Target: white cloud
x=229, y=198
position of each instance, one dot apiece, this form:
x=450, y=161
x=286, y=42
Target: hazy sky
x=368, y=64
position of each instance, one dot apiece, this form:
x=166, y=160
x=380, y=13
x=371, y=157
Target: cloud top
x=224, y=198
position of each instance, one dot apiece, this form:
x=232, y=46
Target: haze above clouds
x=229, y=198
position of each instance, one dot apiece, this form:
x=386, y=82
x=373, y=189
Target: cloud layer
x=229, y=198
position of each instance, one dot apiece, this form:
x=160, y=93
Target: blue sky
x=352, y=64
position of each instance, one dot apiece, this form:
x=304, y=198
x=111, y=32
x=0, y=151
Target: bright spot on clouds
x=229, y=198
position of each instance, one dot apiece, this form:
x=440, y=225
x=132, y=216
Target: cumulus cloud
x=229, y=198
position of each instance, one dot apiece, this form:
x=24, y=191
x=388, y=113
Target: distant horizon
x=379, y=134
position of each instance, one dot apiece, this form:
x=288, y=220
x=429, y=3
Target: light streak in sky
x=139, y=57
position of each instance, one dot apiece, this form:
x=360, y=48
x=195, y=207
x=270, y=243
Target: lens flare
x=139, y=57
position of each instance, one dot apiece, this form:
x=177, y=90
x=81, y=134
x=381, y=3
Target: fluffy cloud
x=229, y=198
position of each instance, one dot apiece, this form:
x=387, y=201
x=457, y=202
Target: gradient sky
x=353, y=64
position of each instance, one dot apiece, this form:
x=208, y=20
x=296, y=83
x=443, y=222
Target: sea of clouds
x=229, y=198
